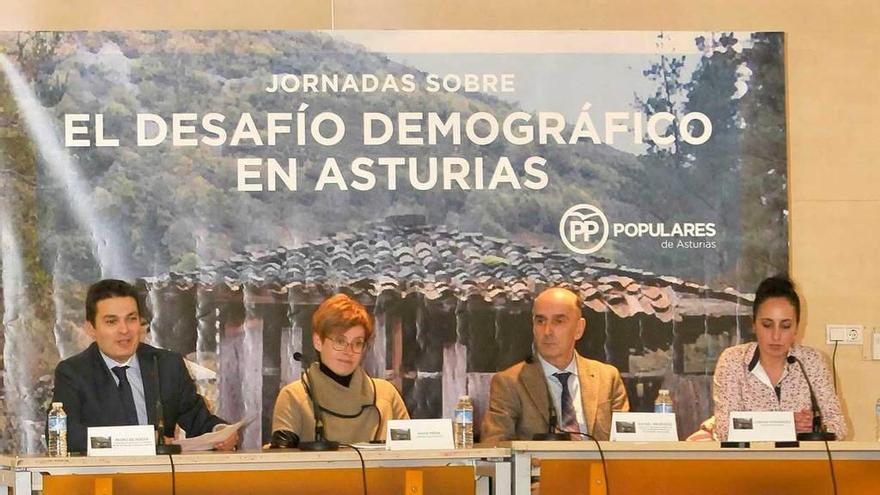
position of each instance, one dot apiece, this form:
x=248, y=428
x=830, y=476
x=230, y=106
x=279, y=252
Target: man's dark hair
x=778, y=286
x=106, y=289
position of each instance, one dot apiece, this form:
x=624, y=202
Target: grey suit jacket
x=519, y=401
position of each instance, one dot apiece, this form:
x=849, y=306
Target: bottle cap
x=57, y=404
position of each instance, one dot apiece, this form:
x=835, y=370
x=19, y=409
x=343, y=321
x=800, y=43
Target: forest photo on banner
x=442, y=178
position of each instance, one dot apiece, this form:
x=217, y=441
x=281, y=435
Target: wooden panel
x=103, y=486
x=165, y=14
x=414, y=483
x=835, y=262
x=450, y=480
x=718, y=477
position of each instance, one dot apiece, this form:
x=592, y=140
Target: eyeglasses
x=340, y=344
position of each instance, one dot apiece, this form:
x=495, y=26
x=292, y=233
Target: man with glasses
x=353, y=407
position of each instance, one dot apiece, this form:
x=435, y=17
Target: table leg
x=23, y=483
x=522, y=474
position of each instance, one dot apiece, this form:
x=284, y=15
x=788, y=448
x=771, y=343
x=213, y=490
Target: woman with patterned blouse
x=758, y=376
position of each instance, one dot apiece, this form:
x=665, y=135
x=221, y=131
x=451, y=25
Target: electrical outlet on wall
x=854, y=334
x=844, y=334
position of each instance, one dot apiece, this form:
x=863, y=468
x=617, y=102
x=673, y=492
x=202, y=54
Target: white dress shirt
x=574, y=389
x=133, y=373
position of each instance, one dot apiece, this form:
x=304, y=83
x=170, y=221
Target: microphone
x=161, y=447
x=320, y=443
x=818, y=433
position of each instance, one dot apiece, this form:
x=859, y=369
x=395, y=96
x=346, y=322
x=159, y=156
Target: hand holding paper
x=225, y=438
x=228, y=444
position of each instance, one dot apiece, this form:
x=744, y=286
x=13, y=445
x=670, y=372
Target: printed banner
x=442, y=178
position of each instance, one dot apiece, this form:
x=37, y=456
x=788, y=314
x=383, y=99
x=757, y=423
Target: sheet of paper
x=207, y=441
x=121, y=440
x=419, y=434
x=643, y=427
x=761, y=426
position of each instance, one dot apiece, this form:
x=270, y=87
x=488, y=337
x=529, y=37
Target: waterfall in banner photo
x=63, y=168
x=33, y=341
x=20, y=358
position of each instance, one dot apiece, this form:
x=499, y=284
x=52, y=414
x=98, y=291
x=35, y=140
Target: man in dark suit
x=584, y=392
x=113, y=382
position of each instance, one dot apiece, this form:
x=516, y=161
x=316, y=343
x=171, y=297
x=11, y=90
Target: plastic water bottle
x=877, y=418
x=463, y=423
x=57, y=441
x=663, y=404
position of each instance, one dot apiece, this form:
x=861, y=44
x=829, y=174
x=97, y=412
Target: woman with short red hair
x=353, y=406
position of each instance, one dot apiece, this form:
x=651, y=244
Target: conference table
x=680, y=468
x=7, y=474
x=695, y=468
x=413, y=472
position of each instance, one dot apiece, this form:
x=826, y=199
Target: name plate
x=121, y=440
x=419, y=434
x=761, y=426
x=643, y=427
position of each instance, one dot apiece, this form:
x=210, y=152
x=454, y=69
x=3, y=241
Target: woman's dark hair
x=778, y=286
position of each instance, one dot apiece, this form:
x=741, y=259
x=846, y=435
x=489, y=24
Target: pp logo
x=584, y=229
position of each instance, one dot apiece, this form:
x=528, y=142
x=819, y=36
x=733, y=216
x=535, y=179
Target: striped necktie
x=569, y=419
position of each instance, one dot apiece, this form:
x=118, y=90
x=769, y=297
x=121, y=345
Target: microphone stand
x=553, y=434
x=162, y=448
x=553, y=431
x=818, y=434
x=320, y=443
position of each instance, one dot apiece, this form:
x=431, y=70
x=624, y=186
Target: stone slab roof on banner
x=406, y=255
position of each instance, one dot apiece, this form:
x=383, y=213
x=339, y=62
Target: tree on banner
x=736, y=179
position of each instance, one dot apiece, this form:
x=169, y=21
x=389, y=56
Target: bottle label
x=57, y=424
x=662, y=408
x=463, y=416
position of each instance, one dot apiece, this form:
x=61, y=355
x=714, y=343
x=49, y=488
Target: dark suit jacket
x=519, y=401
x=86, y=387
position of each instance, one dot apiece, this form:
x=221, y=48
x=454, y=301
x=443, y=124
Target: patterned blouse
x=736, y=388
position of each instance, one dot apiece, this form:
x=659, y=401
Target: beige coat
x=519, y=400
x=293, y=408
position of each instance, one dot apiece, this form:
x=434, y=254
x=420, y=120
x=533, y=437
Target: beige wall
x=833, y=64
